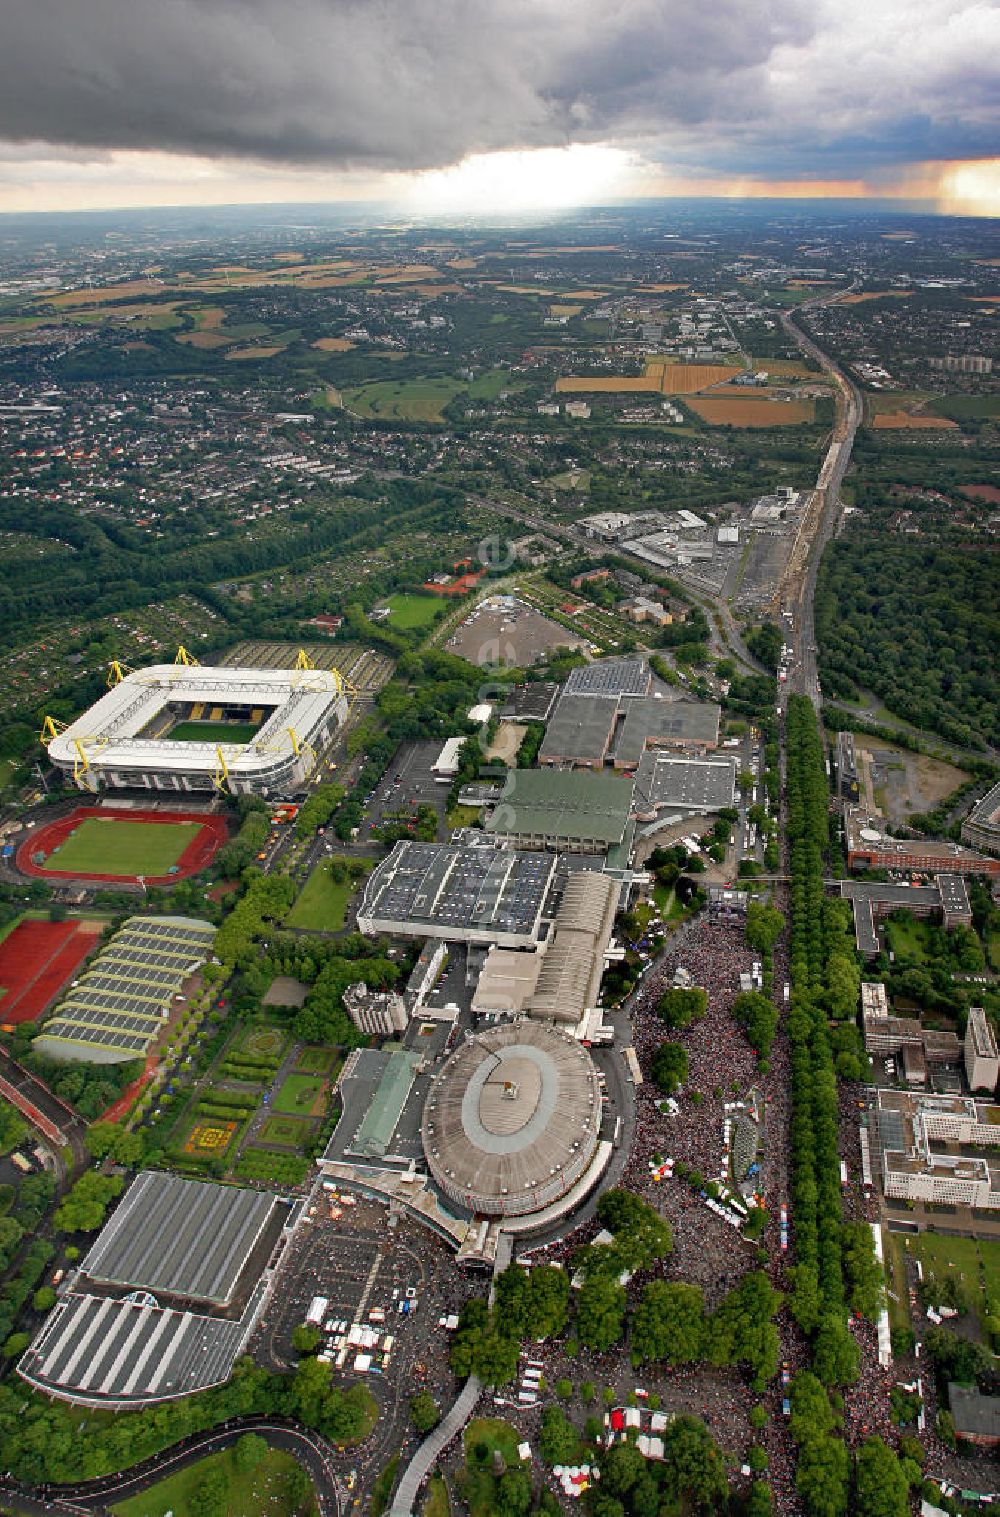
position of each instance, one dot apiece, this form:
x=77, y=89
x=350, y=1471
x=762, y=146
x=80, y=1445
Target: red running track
x=36, y=961
x=197, y=855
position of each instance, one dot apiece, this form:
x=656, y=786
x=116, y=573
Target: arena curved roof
x=512, y=1120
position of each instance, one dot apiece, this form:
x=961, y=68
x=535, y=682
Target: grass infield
x=212, y=732
x=123, y=848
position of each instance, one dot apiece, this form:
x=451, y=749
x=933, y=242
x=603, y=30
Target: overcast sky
x=115, y=102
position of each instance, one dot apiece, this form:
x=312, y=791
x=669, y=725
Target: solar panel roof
x=120, y=1003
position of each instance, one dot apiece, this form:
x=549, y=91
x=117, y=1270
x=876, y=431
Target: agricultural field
x=212, y=732
x=277, y=1486
x=122, y=848
x=899, y=421
x=253, y=353
x=410, y=611
x=966, y=407
x=856, y=300
x=322, y=903
x=751, y=411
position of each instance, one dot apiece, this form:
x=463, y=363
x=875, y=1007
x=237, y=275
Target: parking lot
x=408, y=782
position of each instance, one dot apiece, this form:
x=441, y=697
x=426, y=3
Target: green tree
x=882, y=1487
x=248, y=1452
x=44, y=1299
x=558, y=1440
x=812, y=1416
x=669, y=1323
x=600, y=1312
x=425, y=1413
x=669, y=1067
x=306, y=1338
x=822, y=1477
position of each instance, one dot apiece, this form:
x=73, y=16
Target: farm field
x=275, y=1487
x=322, y=902
x=212, y=732
x=333, y=344
x=908, y=421
x=410, y=611
x=856, y=300
x=751, y=411
x=966, y=407
x=122, y=848
x=37, y=959
x=689, y=378
x=241, y=354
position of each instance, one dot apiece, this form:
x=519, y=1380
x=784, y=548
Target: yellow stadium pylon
x=184, y=657
x=303, y=661
x=51, y=727
x=116, y=673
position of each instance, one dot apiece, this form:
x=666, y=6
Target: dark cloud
x=773, y=86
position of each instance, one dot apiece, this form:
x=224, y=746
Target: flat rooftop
x=670, y=781
x=435, y=888
x=580, y=730
x=651, y=720
x=562, y=804
x=611, y=677
x=187, y=1238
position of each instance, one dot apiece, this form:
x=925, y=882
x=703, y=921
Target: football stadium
x=195, y=727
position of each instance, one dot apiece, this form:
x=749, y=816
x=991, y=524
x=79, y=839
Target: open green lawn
x=292, y=1132
x=414, y=610
x=973, y=1265
x=125, y=848
x=907, y=940
x=402, y=400
x=317, y=1061
x=275, y=1487
x=436, y=1503
x=298, y=1095
x=322, y=902
x=212, y=732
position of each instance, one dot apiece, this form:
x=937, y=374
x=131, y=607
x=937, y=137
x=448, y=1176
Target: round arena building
x=511, y=1122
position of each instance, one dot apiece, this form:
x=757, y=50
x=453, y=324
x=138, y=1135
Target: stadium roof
x=117, y=1009
x=111, y=731
x=667, y=780
x=614, y=676
x=512, y=1120
x=563, y=807
x=441, y=890
x=660, y=721
x=185, y=1237
x=580, y=730
x=94, y=1349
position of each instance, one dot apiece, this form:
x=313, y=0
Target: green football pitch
x=212, y=732
x=125, y=848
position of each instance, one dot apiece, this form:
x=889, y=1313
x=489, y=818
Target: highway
x=798, y=587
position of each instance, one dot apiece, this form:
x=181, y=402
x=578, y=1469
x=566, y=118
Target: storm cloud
x=771, y=87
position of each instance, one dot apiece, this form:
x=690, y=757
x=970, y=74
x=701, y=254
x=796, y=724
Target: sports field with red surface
x=37, y=960
x=74, y=847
